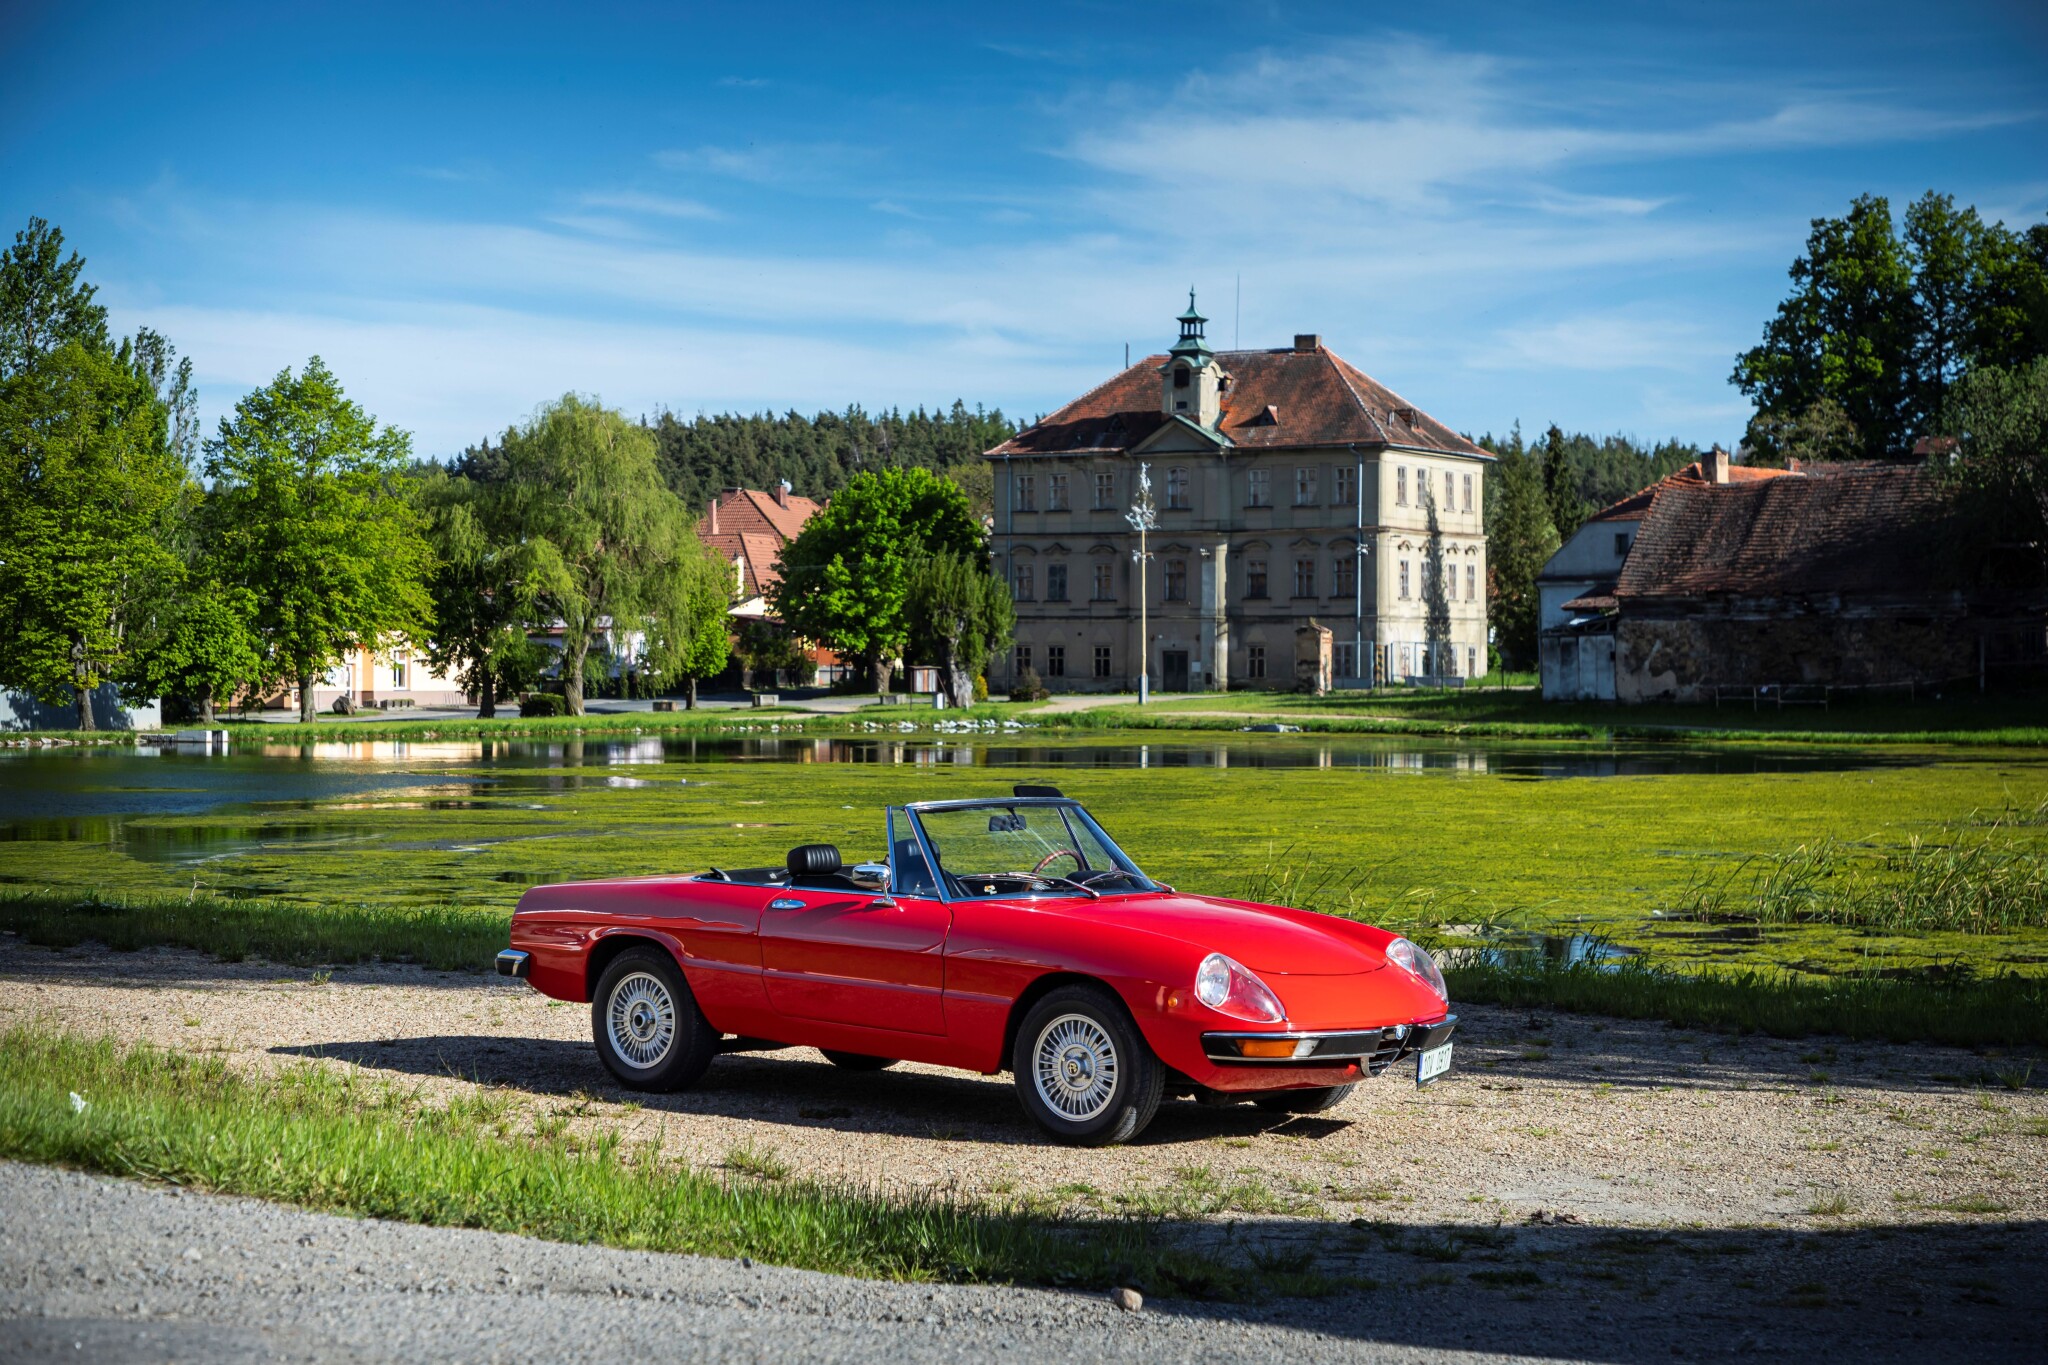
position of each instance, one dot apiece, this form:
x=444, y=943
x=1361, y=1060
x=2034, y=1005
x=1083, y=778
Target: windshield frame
x=1070, y=810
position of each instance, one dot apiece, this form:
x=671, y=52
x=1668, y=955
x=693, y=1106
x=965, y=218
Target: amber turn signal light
x=1274, y=1047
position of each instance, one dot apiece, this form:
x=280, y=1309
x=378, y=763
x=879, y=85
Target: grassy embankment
x=1473, y=854
x=340, y=1142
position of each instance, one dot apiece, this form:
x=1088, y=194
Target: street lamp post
x=1144, y=518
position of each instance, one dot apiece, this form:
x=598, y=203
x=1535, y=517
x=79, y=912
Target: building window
x=1255, y=662
x=1620, y=544
x=1401, y=486
x=1027, y=493
x=1023, y=660
x=1344, y=575
x=1055, y=582
x=1255, y=578
x=1259, y=488
x=398, y=671
x=1105, y=491
x=1026, y=589
x=1468, y=492
x=1343, y=486
x=1105, y=587
x=1304, y=577
x=1176, y=580
x=1177, y=490
x=1305, y=485
x=1451, y=583
x=1346, y=661
x=1055, y=492
x=1055, y=661
x=1404, y=580
x=1102, y=661
x=1180, y=376
x=1471, y=661
x=1471, y=582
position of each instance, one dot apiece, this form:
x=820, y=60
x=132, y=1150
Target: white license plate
x=1431, y=1063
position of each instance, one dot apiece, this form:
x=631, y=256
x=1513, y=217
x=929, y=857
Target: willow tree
x=959, y=616
x=585, y=487
x=311, y=513
x=689, y=626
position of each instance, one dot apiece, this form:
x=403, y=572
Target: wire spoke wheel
x=641, y=1019
x=1074, y=1066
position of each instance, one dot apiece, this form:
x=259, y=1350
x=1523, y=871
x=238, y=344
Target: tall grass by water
x=1988, y=886
x=333, y=1141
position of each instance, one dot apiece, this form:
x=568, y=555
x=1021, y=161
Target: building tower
x=1192, y=379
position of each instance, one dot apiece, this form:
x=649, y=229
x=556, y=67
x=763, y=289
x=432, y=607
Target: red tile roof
x=1859, y=530
x=1636, y=505
x=750, y=527
x=1277, y=399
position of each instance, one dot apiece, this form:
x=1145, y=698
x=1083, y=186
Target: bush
x=1029, y=687
x=981, y=687
x=543, y=704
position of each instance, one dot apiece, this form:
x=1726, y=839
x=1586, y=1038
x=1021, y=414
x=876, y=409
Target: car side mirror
x=871, y=877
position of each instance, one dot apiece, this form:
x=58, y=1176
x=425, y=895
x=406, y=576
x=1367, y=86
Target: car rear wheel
x=1312, y=1101
x=856, y=1061
x=649, y=1031
x=1083, y=1071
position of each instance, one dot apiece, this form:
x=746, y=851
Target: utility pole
x=1144, y=518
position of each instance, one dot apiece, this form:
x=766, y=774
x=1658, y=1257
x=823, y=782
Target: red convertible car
x=1009, y=933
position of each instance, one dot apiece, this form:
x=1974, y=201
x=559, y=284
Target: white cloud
x=657, y=205
x=1602, y=342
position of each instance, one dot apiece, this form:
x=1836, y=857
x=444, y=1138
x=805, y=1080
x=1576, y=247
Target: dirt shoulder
x=1609, y=1123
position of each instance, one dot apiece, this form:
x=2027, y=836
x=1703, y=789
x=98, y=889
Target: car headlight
x=1416, y=961
x=1227, y=987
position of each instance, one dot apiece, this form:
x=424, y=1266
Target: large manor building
x=1290, y=489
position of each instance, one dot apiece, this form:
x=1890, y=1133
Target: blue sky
x=1544, y=213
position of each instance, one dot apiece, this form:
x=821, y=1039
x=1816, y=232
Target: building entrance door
x=1174, y=667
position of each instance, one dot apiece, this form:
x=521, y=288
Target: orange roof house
x=750, y=527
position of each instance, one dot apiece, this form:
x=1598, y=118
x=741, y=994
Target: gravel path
x=1582, y=1189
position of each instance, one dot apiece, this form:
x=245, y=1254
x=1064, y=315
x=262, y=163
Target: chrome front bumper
x=513, y=962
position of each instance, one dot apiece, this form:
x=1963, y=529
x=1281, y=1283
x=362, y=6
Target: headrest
x=813, y=860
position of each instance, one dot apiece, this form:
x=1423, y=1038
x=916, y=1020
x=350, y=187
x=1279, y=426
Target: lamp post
x=1144, y=518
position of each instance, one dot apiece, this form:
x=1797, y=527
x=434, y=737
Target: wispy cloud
x=656, y=205
x=1604, y=342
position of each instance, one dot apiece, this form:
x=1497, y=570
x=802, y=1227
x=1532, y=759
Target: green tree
x=1561, y=485
x=1846, y=333
x=690, y=625
x=43, y=304
x=959, y=616
x=202, y=646
x=487, y=577
x=585, y=482
x=312, y=515
x=769, y=647
x=1820, y=434
x=846, y=577
x=90, y=477
x=1520, y=539
x=1436, y=602
x=2000, y=480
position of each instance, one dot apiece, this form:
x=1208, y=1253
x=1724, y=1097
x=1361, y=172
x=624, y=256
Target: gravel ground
x=1581, y=1188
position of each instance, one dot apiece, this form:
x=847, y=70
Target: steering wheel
x=1048, y=859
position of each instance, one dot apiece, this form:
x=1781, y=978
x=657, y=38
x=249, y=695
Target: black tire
x=656, y=1007
x=856, y=1061
x=1313, y=1101
x=1097, y=1029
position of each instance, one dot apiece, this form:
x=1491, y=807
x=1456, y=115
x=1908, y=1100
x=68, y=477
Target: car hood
x=1264, y=940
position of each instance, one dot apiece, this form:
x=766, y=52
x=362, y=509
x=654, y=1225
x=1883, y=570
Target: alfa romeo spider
x=1009, y=933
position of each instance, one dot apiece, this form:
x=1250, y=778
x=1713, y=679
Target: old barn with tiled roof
x=1832, y=576
x=1313, y=528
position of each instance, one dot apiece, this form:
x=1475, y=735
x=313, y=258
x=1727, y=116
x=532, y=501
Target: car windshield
x=1001, y=849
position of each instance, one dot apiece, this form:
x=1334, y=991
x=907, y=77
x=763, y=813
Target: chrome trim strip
x=514, y=963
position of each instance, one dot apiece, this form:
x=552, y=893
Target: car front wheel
x=1083, y=1071
x=649, y=1031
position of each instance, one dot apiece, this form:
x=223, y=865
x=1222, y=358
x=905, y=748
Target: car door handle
x=785, y=903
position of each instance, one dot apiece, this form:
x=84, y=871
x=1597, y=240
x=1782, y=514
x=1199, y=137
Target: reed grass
x=338, y=1142
x=1988, y=886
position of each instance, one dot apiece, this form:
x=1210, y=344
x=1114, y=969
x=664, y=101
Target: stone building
x=1289, y=489
x=1832, y=576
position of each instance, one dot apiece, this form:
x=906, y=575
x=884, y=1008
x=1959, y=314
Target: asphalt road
x=103, y=1270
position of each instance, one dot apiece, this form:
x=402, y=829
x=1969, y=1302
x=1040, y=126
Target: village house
x=1302, y=508
x=748, y=528
x=1722, y=577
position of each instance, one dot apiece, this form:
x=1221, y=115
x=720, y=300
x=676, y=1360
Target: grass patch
x=328, y=1141
x=443, y=937
x=2007, y=1011
x=1985, y=887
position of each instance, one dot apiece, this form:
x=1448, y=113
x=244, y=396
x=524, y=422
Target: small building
x=749, y=527
x=1290, y=489
x=1832, y=576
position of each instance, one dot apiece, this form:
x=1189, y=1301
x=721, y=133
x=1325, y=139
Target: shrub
x=543, y=704
x=1029, y=687
x=981, y=691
